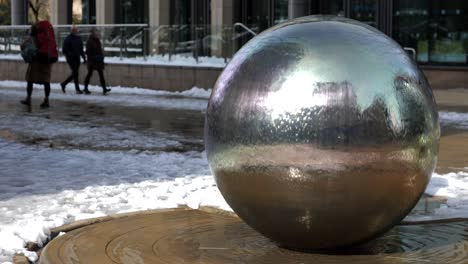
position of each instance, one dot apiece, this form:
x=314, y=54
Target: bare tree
x=37, y=6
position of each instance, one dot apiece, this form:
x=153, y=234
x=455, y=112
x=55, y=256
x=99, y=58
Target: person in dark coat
x=37, y=72
x=95, y=56
x=73, y=49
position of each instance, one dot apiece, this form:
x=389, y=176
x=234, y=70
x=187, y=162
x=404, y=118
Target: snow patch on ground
x=454, y=186
x=84, y=135
x=175, y=60
x=62, y=186
x=194, y=99
x=195, y=92
x=455, y=119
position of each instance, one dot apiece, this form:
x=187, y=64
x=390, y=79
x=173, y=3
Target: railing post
x=9, y=40
x=173, y=41
x=233, y=43
x=143, y=42
x=125, y=42
x=226, y=42
x=196, y=46
x=121, y=43
x=59, y=40
x=103, y=34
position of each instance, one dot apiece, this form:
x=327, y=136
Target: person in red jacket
x=40, y=69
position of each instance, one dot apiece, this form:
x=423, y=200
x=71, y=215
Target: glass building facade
x=190, y=20
x=131, y=11
x=364, y=11
x=436, y=29
x=89, y=12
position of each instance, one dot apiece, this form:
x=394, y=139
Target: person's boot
x=45, y=103
x=105, y=90
x=63, y=87
x=79, y=91
x=26, y=101
x=86, y=91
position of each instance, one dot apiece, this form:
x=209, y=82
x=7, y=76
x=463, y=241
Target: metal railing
x=411, y=52
x=165, y=41
x=141, y=40
x=238, y=24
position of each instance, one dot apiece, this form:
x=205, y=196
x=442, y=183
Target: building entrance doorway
x=190, y=24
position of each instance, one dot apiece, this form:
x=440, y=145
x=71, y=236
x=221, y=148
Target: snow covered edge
x=195, y=92
x=157, y=60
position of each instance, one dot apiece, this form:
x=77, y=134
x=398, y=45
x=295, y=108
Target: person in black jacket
x=72, y=49
x=95, y=60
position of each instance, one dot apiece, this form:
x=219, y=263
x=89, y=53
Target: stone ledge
x=179, y=78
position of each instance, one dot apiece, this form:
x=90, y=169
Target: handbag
x=99, y=59
x=29, y=51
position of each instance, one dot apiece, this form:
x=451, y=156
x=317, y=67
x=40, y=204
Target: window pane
x=364, y=11
x=437, y=29
x=280, y=11
x=333, y=7
x=131, y=11
x=89, y=11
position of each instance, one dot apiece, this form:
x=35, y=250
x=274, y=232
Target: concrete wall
x=447, y=79
x=171, y=78
x=178, y=78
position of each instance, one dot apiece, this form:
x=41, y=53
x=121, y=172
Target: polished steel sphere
x=322, y=133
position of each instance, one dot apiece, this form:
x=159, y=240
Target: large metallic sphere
x=322, y=133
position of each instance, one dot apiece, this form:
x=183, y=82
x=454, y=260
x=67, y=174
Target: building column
x=384, y=16
x=222, y=20
x=19, y=12
x=158, y=20
x=105, y=12
x=297, y=8
x=60, y=12
x=159, y=12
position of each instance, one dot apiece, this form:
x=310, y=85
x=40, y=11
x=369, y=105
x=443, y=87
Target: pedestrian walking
x=39, y=50
x=73, y=49
x=95, y=56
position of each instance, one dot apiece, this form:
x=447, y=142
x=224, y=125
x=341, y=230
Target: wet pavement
x=182, y=125
x=453, y=152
